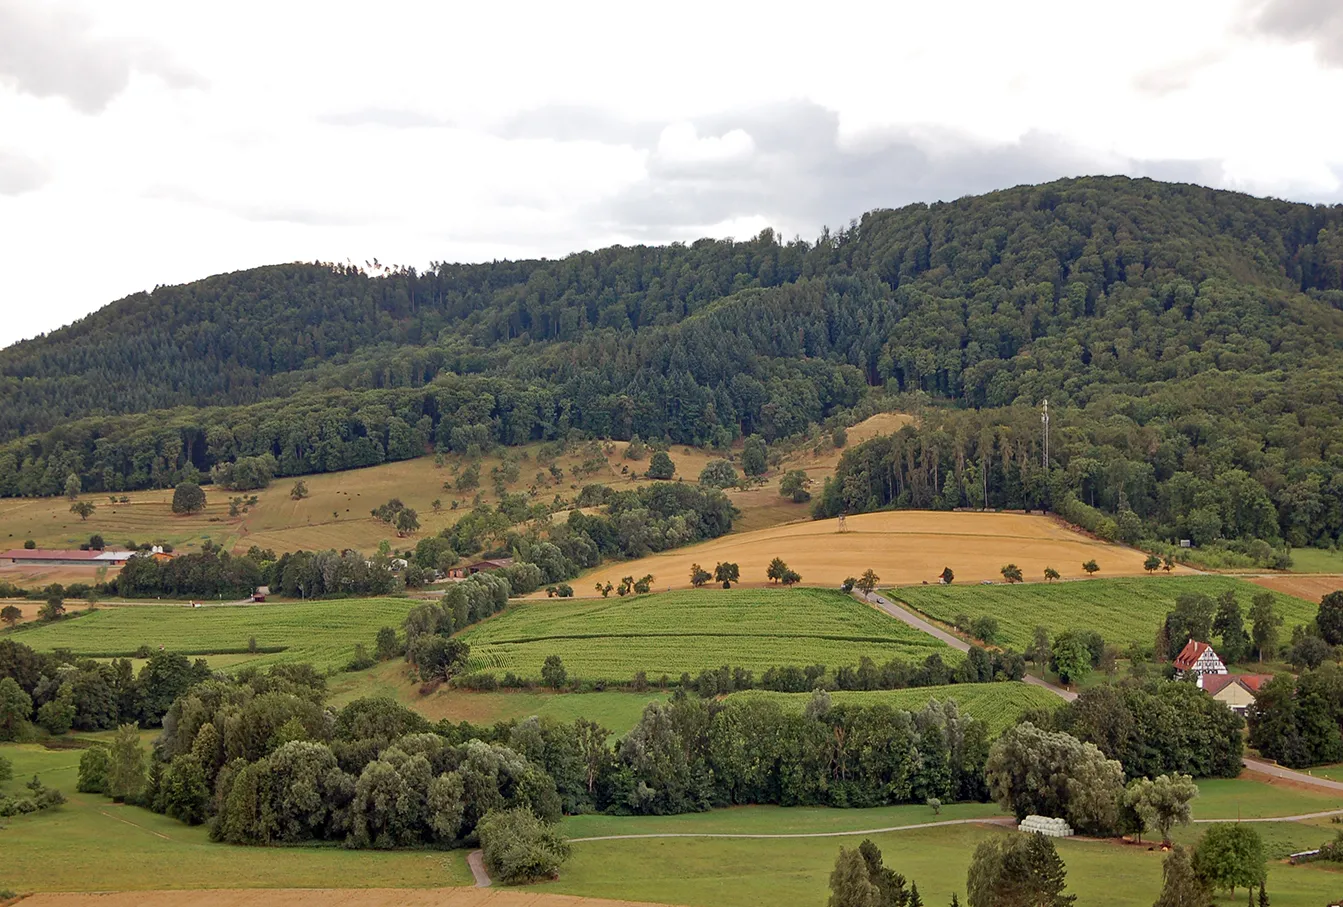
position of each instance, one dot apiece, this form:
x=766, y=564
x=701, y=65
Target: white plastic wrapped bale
x=1044, y=825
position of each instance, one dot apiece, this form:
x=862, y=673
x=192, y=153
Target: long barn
x=53, y=557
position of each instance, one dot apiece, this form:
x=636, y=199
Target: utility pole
x=1044, y=418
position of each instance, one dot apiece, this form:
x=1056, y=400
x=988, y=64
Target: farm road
x=1000, y=820
x=476, y=860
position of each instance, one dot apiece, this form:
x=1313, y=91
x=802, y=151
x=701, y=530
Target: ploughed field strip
x=998, y=705
x=323, y=633
x=1123, y=610
x=675, y=632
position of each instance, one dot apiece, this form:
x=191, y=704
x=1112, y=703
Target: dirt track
x=326, y=897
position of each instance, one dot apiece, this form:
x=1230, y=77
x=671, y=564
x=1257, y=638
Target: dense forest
x=1187, y=339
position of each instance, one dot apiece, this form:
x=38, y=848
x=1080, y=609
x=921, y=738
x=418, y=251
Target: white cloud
x=469, y=132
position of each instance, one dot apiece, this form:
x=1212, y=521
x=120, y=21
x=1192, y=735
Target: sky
x=146, y=143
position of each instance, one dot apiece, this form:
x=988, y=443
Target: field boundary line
x=990, y=820
x=134, y=825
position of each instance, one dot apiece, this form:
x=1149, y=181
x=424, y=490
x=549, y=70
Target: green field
x=104, y=846
x=775, y=820
x=323, y=633
x=674, y=632
x=759, y=873
x=1123, y=611
x=998, y=705
x=1248, y=798
x=1316, y=560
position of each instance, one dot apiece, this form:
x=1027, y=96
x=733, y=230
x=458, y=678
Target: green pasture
x=674, y=632
x=1123, y=611
x=1316, y=560
x=323, y=633
x=998, y=705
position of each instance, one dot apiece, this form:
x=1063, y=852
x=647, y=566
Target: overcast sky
x=146, y=143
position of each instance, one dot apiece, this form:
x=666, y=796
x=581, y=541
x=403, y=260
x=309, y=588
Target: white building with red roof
x=1198, y=658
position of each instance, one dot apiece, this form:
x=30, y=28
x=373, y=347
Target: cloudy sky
x=146, y=143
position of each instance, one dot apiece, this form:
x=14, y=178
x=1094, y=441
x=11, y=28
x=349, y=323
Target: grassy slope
x=103, y=846
x=1314, y=560
x=1122, y=610
x=1251, y=798
x=322, y=632
x=689, y=631
x=999, y=705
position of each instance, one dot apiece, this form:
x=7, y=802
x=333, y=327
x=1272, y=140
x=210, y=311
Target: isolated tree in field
x=1264, y=624
x=605, y=589
x=718, y=474
x=553, y=673
x=626, y=584
x=726, y=573
x=1017, y=871
x=83, y=509
x=188, y=498
x=72, y=486
x=299, y=491
x=850, y=885
x=868, y=581
x=1231, y=856
x=1181, y=886
x=437, y=505
x=125, y=764
x=1091, y=567
x=790, y=577
x=1329, y=618
x=776, y=569
x=1051, y=574
x=643, y=585
x=796, y=484
x=1168, y=563
x=947, y=576
x=407, y=522
x=1152, y=564
x=1012, y=573
x=1162, y=802
x=660, y=466
x=11, y=615
x=699, y=576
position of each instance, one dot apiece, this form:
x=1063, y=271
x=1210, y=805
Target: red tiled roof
x=1254, y=681
x=1190, y=654
x=1215, y=683
x=42, y=554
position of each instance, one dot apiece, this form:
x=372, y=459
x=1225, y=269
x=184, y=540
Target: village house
x=1198, y=658
x=1236, y=691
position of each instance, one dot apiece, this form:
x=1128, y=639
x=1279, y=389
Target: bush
x=718, y=474
x=518, y=847
x=93, y=767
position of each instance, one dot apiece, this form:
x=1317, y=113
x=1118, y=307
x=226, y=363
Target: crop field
x=998, y=705
x=1310, y=586
x=903, y=547
x=611, y=639
x=323, y=633
x=1123, y=611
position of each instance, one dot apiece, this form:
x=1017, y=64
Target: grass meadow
x=998, y=705
x=323, y=633
x=1123, y=610
x=671, y=633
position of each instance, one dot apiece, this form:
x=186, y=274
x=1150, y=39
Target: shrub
x=518, y=847
x=93, y=767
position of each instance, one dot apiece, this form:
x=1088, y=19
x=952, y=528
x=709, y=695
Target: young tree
x=790, y=577
x=1152, y=564
x=1040, y=652
x=699, y=576
x=1231, y=855
x=72, y=486
x=605, y=589
x=407, y=522
x=643, y=585
x=868, y=581
x=11, y=615
x=299, y=491
x=126, y=764
x=776, y=569
x=553, y=674
x=1168, y=563
x=796, y=485
x=1012, y=573
x=1017, y=871
x=1264, y=624
x=437, y=505
x=1091, y=567
x=1181, y=886
x=726, y=573
x=1162, y=802
x=1051, y=574
x=946, y=576
x=83, y=509
x=660, y=466
x=188, y=498
x=850, y=885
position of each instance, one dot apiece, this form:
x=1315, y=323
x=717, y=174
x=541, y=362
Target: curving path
x=1000, y=820
x=476, y=860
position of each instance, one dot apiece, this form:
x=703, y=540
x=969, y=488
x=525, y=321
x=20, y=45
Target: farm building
x=1237, y=691
x=54, y=557
x=1198, y=658
x=462, y=571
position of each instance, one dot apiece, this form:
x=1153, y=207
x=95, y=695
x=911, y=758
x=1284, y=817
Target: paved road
x=997, y=820
x=476, y=860
x=1277, y=771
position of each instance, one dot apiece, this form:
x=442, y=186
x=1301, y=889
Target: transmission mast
x=1044, y=418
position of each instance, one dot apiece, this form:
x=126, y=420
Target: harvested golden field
x=1310, y=586
x=31, y=577
x=327, y=897
x=30, y=608
x=904, y=548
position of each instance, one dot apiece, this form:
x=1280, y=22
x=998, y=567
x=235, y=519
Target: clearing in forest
x=998, y=705
x=671, y=633
x=1122, y=611
x=902, y=546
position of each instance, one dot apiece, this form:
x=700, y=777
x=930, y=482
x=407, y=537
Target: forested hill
x=1151, y=301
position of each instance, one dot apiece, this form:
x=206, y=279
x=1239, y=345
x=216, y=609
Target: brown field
x=1310, y=586
x=903, y=547
x=38, y=577
x=328, y=897
x=30, y=608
